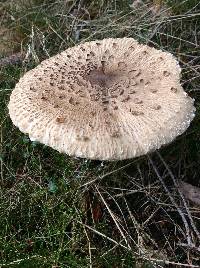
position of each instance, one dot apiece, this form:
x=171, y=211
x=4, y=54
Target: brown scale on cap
x=157, y=107
x=174, y=89
x=153, y=90
x=122, y=65
x=82, y=138
x=131, y=48
x=60, y=119
x=138, y=101
x=44, y=98
x=126, y=54
x=166, y=73
x=108, y=99
x=33, y=89
x=111, y=58
x=144, y=52
x=115, y=134
x=137, y=113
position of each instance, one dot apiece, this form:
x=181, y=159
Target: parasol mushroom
x=109, y=100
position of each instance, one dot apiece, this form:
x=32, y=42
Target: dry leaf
x=190, y=192
x=13, y=59
x=136, y=3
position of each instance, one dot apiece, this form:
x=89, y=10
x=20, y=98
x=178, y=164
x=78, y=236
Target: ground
x=57, y=211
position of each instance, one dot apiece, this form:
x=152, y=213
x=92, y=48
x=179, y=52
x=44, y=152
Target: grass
x=56, y=211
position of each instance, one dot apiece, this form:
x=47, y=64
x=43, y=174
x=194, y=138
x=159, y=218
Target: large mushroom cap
x=108, y=99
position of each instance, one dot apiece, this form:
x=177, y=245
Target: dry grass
x=56, y=211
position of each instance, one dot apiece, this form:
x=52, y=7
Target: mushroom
x=110, y=99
